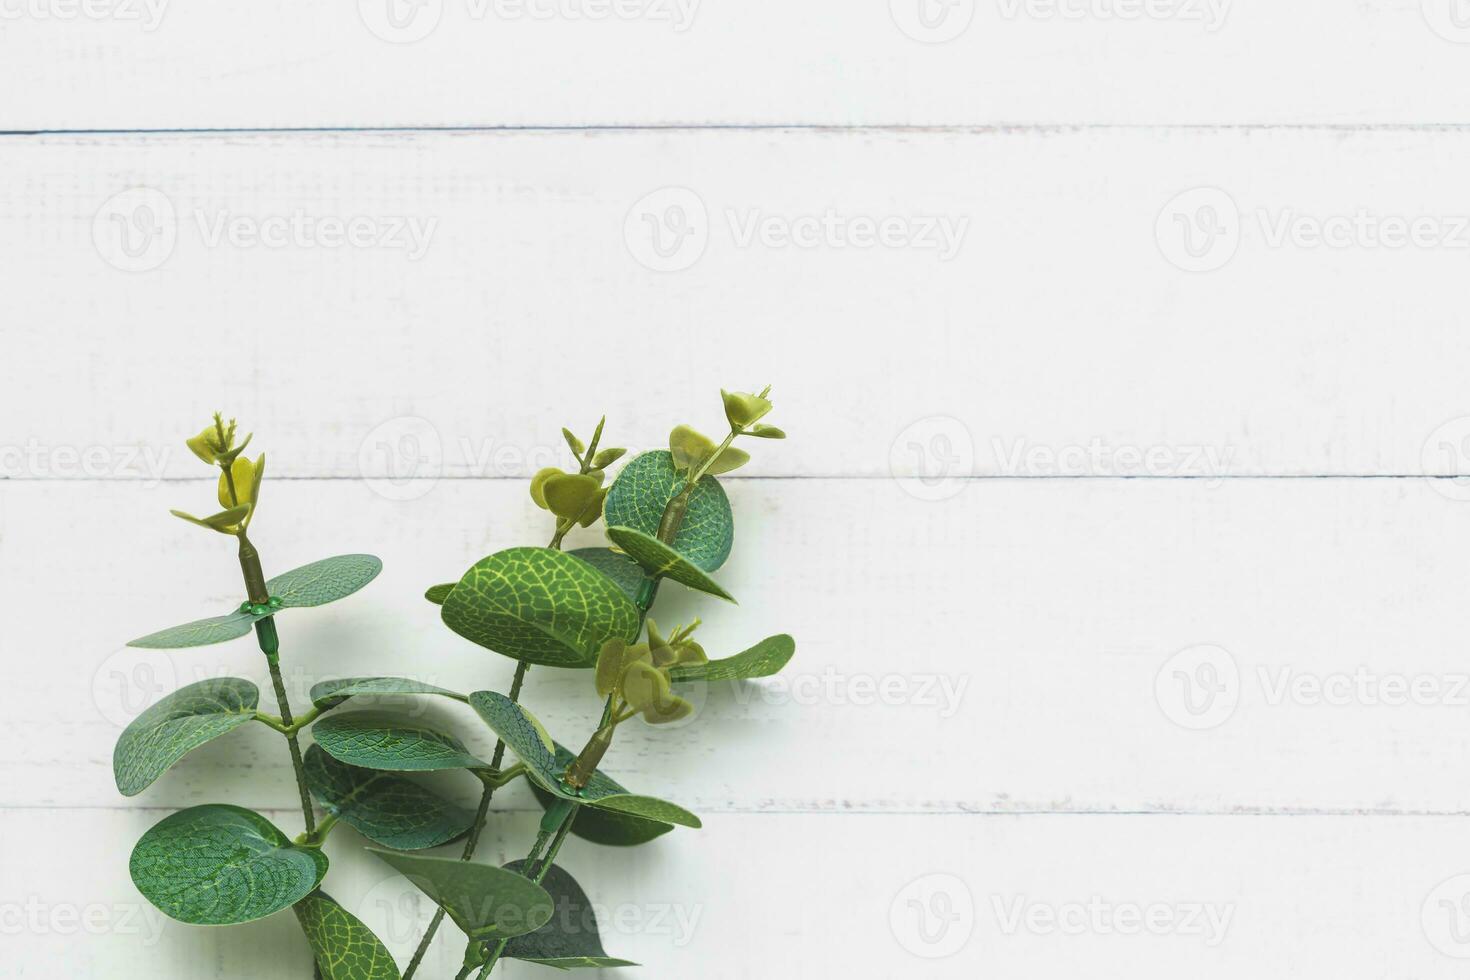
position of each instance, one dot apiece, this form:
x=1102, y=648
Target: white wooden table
x=1118, y=342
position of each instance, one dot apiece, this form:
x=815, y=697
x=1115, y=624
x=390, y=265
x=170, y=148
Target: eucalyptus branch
x=481, y=813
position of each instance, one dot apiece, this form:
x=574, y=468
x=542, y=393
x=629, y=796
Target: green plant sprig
x=220, y=864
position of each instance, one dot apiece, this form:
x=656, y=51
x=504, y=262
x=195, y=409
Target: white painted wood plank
x=162, y=64
x=1058, y=338
x=996, y=652
x=1229, y=896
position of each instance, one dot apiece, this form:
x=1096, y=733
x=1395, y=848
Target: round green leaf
x=661, y=561
x=570, y=939
x=310, y=585
x=546, y=767
x=385, y=808
x=623, y=570
x=484, y=901
x=178, y=724
x=329, y=694
x=438, y=593
x=374, y=740
x=345, y=948
x=644, y=488
x=201, y=632
x=540, y=606
x=218, y=865
x=324, y=581
x=762, y=660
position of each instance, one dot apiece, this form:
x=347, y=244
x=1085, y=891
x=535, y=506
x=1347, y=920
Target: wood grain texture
x=1282, y=893
x=997, y=652
x=158, y=64
x=1058, y=325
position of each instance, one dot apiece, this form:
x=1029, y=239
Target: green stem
x=270, y=645
x=475, y=830
x=265, y=632
x=539, y=875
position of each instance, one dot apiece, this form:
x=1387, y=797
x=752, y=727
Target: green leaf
x=648, y=808
x=345, y=948
x=178, y=724
x=644, y=488
x=310, y=585
x=762, y=660
x=607, y=827
x=438, y=593
x=607, y=457
x=221, y=522
x=623, y=570
x=518, y=729
x=570, y=939
x=201, y=632
x=218, y=865
x=540, y=606
x=484, y=901
x=744, y=409
x=659, y=560
x=374, y=740
x=570, y=495
x=385, y=808
x=329, y=694
x=324, y=581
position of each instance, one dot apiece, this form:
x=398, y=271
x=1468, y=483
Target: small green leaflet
x=486, y=902
x=762, y=660
x=218, y=865
x=540, y=606
x=201, y=632
x=620, y=568
x=310, y=585
x=329, y=694
x=570, y=939
x=438, y=593
x=659, y=560
x=178, y=724
x=606, y=827
x=345, y=948
x=519, y=731
x=324, y=581
x=386, y=808
x=376, y=740
x=644, y=488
